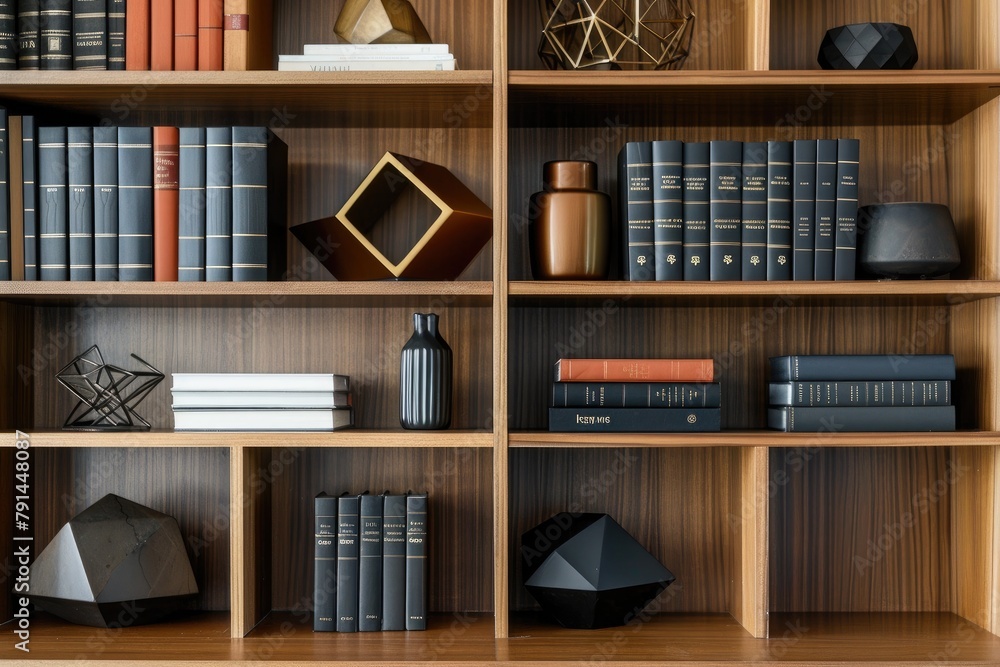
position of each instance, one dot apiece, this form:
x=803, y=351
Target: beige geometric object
x=380, y=22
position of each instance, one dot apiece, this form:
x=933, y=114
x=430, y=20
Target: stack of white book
x=368, y=57
x=261, y=402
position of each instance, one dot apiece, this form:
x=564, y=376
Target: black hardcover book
x=696, y=208
x=135, y=202
x=191, y=222
x=416, y=561
x=28, y=34
x=754, y=210
x=5, y=235
x=726, y=210
x=53, y=220
x=106, y=203
x=779, y=210
x=837, y=367
x=116, y=34
x=259, y=168
x=861, y=394
x=804, y=210
x=636, y=395
x=668, y=209
x=29, y=171
x=394, y=563
x=634, y=420
x=635, y=198
x=826, y=207
x=848, y=157
x=848, y=420
x=8, y=34
x=90, y=34
x=80, y=155
x=219, y=204
x=56, y=21
x=325, y=565
x=349, y=509
x=370, y=564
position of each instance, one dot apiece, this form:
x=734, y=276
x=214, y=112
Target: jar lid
x=570, y=175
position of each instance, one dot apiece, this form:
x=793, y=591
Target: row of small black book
x=731, y=210
x=370, y=563
x=141, y=203
x=262, y=402
x=62, y=34
x=635, y=396
x=845, y=393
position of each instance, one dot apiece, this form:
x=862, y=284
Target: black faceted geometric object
x=108, y=394
x=868, y=46
x=588, y=572
x=907, y=240
x=115, y=564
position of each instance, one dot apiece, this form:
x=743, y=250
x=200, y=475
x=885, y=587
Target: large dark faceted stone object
x=868, y=46
x=588, y=572
x=907, y=240
x=115, y=564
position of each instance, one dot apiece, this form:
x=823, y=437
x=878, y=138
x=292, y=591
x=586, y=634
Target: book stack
x=370, y=563
x=845, y=393
x=261, y=402
x=141, y=203
x=368, y=57
x=732, y=210
x=635, y=396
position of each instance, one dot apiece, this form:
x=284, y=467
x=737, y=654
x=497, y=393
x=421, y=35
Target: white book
x=260, y=382
x=260, y=399
x=351, y=49
x=365, y=57
x=262, y=420
x=367, y=66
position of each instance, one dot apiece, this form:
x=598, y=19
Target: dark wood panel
x=17, y=354
x=364, y=344
x=459, y=484
x=675, y=502
x=864, y=530
x=192, y=485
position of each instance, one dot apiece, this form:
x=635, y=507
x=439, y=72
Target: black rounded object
x=868, y=46
x=907, y=240
x=425, y=377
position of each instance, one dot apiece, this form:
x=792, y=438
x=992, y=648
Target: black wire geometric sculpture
x=606, y=34
x=108, y=394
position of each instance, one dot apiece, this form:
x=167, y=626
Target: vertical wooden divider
x=758, y=38
x=748, y=517
x=250, y=533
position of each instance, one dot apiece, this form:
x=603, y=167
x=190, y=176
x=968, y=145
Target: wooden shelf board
x=541, y=97
x=346, y=438
x=753, y=439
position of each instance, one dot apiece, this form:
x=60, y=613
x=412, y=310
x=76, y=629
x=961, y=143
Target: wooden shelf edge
x=774, y=439
x=256, y=79
x=332, y=288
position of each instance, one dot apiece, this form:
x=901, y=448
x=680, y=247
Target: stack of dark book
x=370, y=563
x=141, y=203
x=732, y=210
x=635, y=396
x=845, y=393
x=261, y=402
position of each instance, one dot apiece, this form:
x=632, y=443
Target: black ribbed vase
x=425, y=377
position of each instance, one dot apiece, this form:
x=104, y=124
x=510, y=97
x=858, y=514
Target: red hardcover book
x=210, y=35
x=161, y=36
x=166, y=201
x=185, y=35
x=137, y=35
x=635, y=370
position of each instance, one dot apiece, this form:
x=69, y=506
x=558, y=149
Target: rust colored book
x=166, y=201
x=161, y=36
x=247, y=35
x=635, y=370
x=137, y=35
x=210, y=35
x=185, y=35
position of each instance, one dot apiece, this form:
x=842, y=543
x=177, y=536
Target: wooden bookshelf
x=762, y=529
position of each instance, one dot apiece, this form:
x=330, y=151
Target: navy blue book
x=5, y=231
x=779, y=210
x=635, y=196
x=873, y=394
x=755, y=210
x=191, y=221
x=696, y=209
x=53, y=206
x=106, y=203
x=416, y=561
x=135, y=201
x=668, y=209
x=370, y=564
x=29, y=172
x=394, y=563
x=726, y=210
x=848, y=158
x=349, y=509
x=80, y=154
x=634, y=420
x=260, y=166
x=636, y=395
x=837, y=367
x=804, y=210
x=219, y=204
x=826, y=207
x=853, y=420
x=325, y=565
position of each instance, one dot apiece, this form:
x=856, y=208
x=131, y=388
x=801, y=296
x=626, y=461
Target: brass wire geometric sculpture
x=606, y=34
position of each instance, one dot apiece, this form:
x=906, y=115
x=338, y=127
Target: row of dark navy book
x=141, y=203
x=370, y=563
x=731, y=210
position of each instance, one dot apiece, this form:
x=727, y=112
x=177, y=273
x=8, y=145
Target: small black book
x=56, y=21
x=116, y=34
x=848, y=158
x=5, y=231
x=804, y=210
x=325, y=565
x=826, y=207
x=135, y=202
x=635, y=195
x=416, y=561
x=90, y=34
x=8, y=34
x=191, y=221
x=370, y=564
x=634, y=420
x=726, y=210
x=219, y=204
x=348, y=510
x=779, y=210
x=873, y=393
x=848, y=420
x=28, y=34
x=836, y=367
x=80, y=156
x=394, y=563
x=754, y=210
x=696, y=208
x=668, y=209
x=53, y=227
x=106, y=203
x=636, y=395
x=29, y=172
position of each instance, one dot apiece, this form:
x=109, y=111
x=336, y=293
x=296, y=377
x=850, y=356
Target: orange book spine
x=185, y=35
x=137, y=35
x=166, y=202
x=635, y=370
x=210, y=35
x=161, y=36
